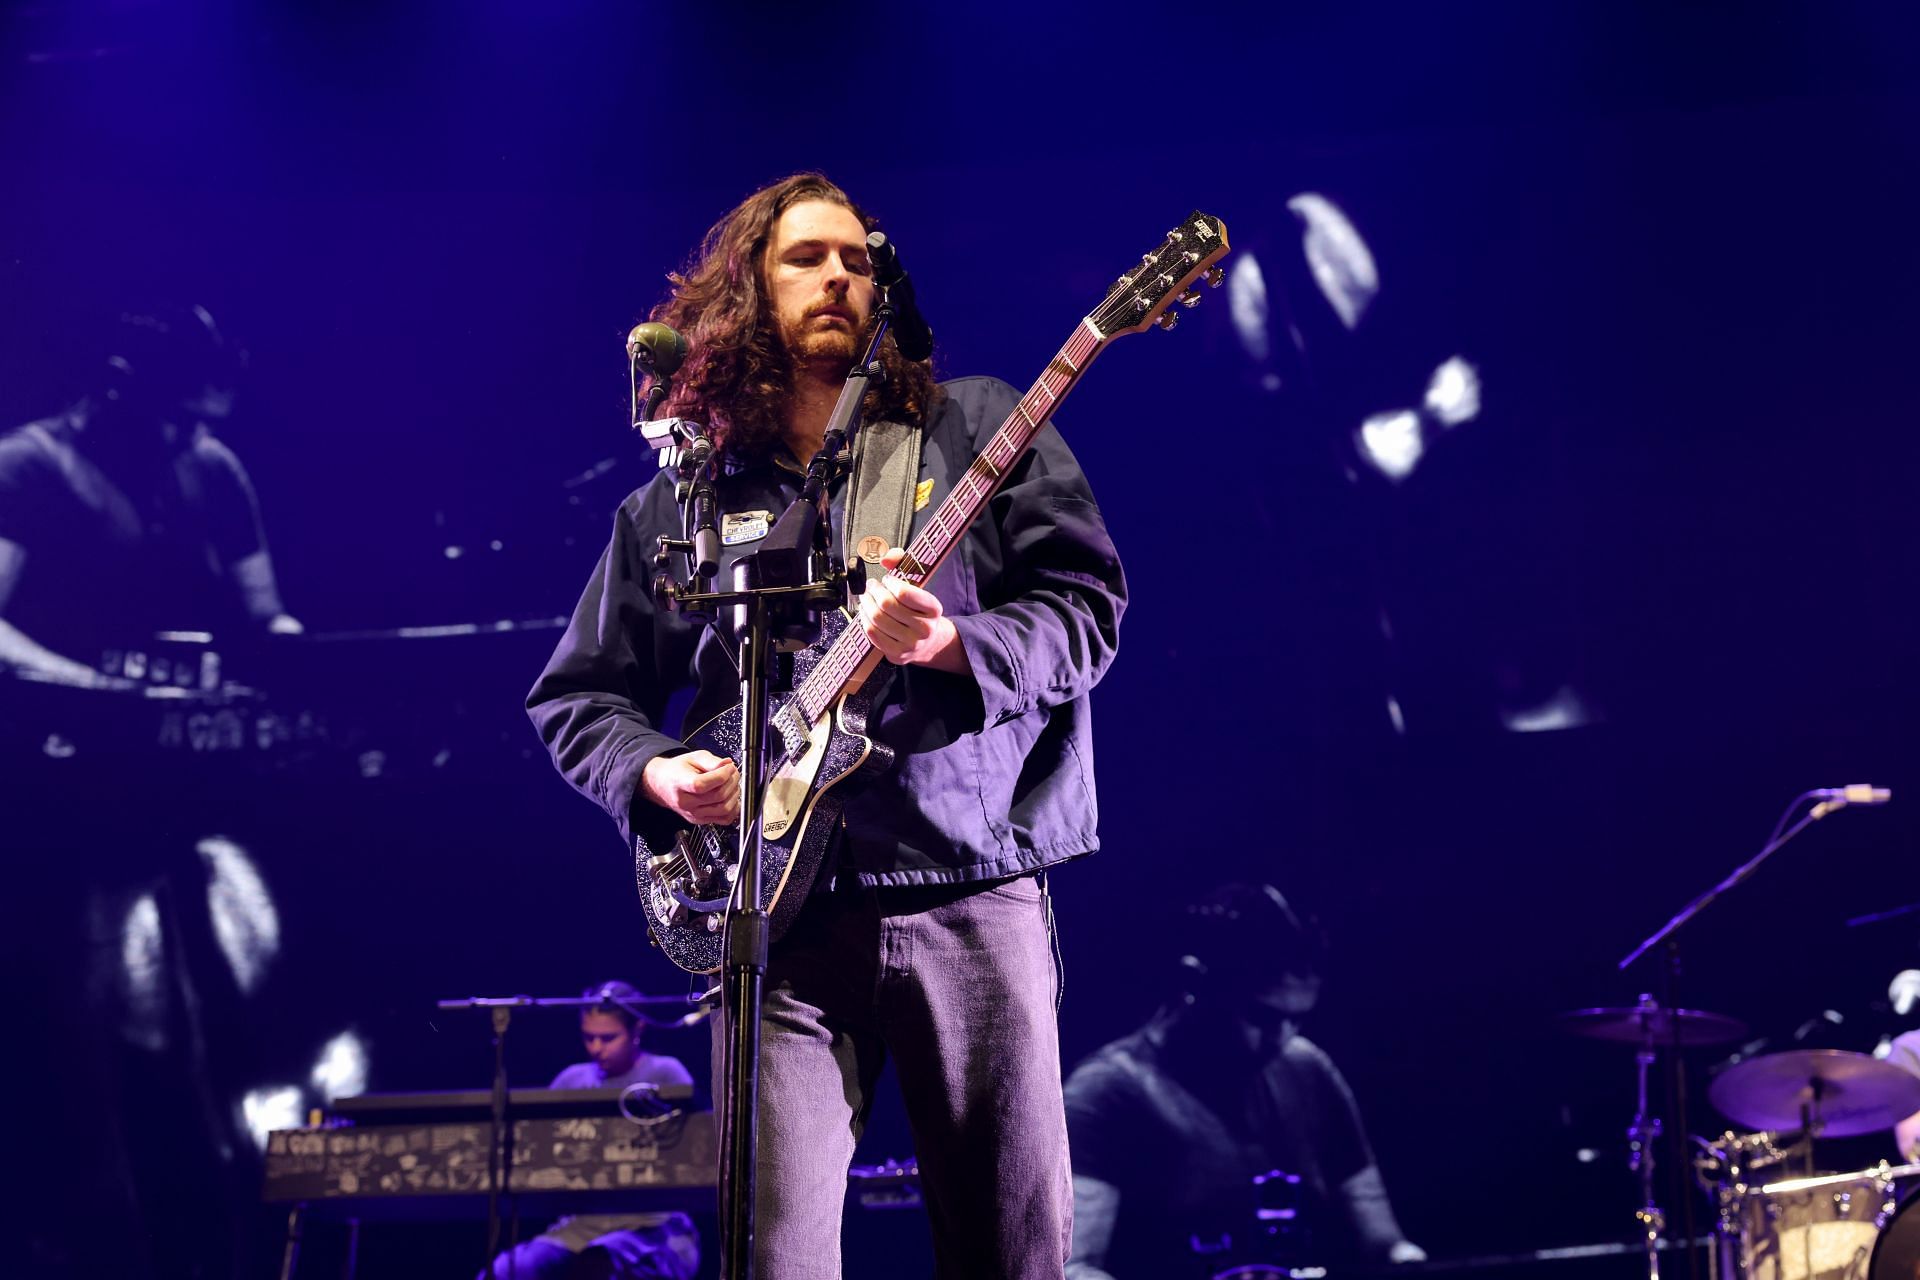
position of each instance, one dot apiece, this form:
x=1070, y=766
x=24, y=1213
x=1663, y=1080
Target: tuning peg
x=1168, y=319
x=1215, y=276
x=1191, y=298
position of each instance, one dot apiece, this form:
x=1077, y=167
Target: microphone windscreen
x=657, y=347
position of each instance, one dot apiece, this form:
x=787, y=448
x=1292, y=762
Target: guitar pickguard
x=791, y=785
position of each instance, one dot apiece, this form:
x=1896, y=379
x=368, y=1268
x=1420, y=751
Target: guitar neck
x=853, y=658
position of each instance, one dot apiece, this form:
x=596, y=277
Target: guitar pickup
x=796, y=735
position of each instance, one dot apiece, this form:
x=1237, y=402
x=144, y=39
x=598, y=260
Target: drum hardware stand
x=1642, y=1134
x=1810, y=1124
x=1722, y=1172
x=775, y=605
x=1646, y=1129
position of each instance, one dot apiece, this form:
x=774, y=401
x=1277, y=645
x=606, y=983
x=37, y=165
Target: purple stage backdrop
x=1526, y=522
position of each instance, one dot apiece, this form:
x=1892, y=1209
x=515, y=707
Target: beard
x=828, y=347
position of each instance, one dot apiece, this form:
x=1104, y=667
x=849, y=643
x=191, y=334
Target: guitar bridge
x=694, y=878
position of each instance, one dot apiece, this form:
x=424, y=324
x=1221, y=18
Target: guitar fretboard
x=942, y=532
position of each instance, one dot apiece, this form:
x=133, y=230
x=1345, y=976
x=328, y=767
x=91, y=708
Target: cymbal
x=1850, y=1093
x=1634, y=1024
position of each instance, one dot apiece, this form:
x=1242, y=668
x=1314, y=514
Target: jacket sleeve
x=599, y=703
x=1051, y=587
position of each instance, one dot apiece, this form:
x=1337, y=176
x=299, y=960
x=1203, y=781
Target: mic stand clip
x=686, y=446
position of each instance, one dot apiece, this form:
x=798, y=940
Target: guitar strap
x=886, y=470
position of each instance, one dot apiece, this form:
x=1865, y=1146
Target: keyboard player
x=640, y=1246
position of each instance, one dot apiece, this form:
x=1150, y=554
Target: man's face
x=608, y=1042
x=139, y=415
x=1273, y=1016
x=1265, y=1018
x=821, y=283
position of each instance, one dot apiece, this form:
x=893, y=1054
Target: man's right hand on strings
x=701, y=787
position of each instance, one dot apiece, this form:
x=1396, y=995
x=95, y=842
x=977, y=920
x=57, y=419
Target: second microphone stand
x=1667, y=938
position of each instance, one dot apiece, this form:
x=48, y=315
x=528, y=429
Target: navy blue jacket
x=994, y=770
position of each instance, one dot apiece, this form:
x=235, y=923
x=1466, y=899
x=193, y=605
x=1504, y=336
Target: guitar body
x=680, y=882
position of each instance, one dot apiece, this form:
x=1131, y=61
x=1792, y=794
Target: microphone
x=1832, y=798
x=1858, y=793
x=910, y=332
x=659, y=349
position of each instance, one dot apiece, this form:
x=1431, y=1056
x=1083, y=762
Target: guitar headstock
x=1146, y=294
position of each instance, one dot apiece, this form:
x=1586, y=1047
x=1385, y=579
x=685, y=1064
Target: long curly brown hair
x=737, y=372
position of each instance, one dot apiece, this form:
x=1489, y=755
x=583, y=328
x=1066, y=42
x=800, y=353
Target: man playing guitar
x=928, y=933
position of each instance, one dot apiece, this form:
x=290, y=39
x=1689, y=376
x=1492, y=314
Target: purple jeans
x=956, y=982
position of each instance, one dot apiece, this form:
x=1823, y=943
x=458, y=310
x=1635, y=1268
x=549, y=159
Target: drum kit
x=1775, y=1217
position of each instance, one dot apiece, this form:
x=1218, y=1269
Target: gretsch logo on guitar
x=819, y=729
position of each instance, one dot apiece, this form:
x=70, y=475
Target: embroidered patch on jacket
x=744, y=526
x=922, y=494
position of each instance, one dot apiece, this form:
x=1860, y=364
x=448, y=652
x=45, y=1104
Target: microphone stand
x=499, y=1134
x=1668, y=934
x=774, y=601
x=1734, y=877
